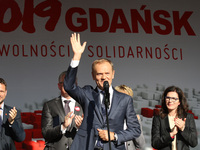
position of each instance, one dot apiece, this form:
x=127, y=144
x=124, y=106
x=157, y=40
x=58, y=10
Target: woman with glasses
x=174, y=128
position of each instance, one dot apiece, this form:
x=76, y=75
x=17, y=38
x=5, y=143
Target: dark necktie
x=67, y=108
x=103, y=107
x=99, y=143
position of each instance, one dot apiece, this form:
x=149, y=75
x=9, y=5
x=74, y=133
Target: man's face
x=3, y=92
x=103, y=72
x=61, y=87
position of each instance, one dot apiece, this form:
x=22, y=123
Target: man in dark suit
x=93, y=132
x=11, y=128
x=59, y=127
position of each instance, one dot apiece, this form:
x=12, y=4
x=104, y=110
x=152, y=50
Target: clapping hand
x=68, y=119
x=180, y=123
x=12, y=115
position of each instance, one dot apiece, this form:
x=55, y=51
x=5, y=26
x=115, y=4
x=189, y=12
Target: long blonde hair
x=124, y=88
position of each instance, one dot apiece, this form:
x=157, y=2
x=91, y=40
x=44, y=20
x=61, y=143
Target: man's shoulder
x=88, y=88
x=122, y=94
x=53, y=100
x=7, y=106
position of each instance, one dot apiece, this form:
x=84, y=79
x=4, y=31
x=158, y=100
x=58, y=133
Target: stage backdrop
x=153, y=44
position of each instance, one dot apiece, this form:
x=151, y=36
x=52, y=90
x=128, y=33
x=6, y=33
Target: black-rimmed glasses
x=173, y=99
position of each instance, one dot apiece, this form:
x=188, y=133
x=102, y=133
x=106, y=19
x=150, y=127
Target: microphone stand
x=107, y=103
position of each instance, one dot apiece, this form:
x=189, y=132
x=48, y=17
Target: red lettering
x=82, y=21
x=119, y=14
x=28, y=23
x=76, y=19
x=35, y=51
x=16, y=15
x=23, y=52
x=99, y=49
x=175, y=58
x=93, y=20
x=139, y=51
x=148, y=52
x=158, y=52
x=130, y=52
x=107, y=56
x=123, y=52
x=54, y=53
x=4, y=50
x=63, y=55
x=15, y=53
x=114, y=53
x=44, y=50
x=166, y=52
x=92, y=53
x=53, y=12
x=146, y=24
x=162, y=21
x=182, y=22
x=181, y=54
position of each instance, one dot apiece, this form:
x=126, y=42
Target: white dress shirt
x=71, y=104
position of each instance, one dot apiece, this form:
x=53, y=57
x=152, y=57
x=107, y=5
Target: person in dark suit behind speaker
x=58, y=126
x=11, y=128
x=93, y=133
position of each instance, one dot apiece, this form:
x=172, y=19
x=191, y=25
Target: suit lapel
x=114, y=105
x=166, y=121
x=115, y=102
x=59, y=105
x=96, y=98
x=5, y=114
x=76, y=113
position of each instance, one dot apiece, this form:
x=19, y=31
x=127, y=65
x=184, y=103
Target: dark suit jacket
x=161, y=134
x=11, y=133
x=121, y=108
x=52, y=116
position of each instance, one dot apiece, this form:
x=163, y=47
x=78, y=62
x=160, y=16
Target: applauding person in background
x=11, y=128
x=174, y=128
x=61, y=118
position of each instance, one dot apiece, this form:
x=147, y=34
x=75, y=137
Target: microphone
x=107, y=94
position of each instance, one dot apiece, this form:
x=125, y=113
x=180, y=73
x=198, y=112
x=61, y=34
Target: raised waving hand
x=77, y=48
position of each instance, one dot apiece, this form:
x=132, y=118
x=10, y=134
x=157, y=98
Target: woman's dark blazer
x=160, y=134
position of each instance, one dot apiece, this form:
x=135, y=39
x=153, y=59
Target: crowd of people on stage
x=100, y=118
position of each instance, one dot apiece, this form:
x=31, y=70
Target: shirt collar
x=110, y=89
x=63, y=99
x=2, y=106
